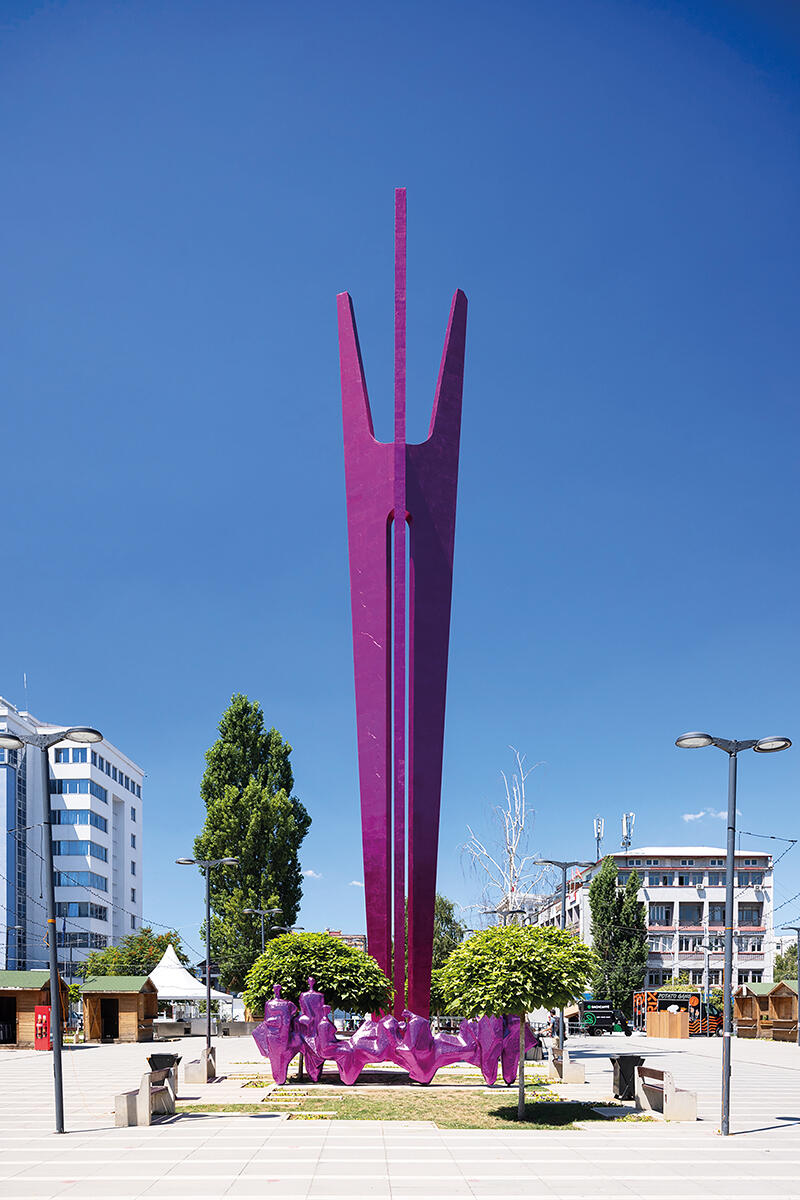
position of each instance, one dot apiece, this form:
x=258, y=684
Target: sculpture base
x=489, y=1043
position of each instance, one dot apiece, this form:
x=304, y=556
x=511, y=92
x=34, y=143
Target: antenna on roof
x=599, y=830
x=627, y=830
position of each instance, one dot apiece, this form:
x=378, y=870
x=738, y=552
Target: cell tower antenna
x=628, y=819
x=599, y=830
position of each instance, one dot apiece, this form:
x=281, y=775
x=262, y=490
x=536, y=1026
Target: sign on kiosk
x=41, y=1027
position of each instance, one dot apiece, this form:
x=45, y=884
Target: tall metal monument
x=401, y=512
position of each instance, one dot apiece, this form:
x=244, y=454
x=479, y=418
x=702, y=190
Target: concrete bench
x=171, y=1029
x=562, y=1067
x=656, y=1092
x=155, y=1097
x=202, y=1069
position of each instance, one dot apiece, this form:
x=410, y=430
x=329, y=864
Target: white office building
x=97, y=827
x=683, y=888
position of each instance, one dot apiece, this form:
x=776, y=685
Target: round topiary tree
x=515, y=969
x=348, y=978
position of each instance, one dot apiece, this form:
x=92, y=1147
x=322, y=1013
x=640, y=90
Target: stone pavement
x=268, y=1156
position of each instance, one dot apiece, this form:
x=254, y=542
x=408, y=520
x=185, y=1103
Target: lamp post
x=767, y=745
x=796, y=929
x=42, y=742
x=205, y=865
x=555, y=862
x=287, y=929
x=262, y=912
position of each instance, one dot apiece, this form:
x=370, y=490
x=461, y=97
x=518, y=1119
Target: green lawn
x=468, y=1109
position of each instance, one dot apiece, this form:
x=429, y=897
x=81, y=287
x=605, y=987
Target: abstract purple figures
x=401, y=508
x=485, y=1043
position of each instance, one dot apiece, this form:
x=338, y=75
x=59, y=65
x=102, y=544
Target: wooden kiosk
x=21, y=993
x=783, y=1011
x=119, y=1008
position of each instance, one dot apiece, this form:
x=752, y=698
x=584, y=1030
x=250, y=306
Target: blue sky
x=615, y=186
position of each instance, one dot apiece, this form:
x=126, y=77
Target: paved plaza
x=232, y=1155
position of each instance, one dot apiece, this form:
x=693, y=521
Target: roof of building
x=685, y=851
x=115, y=983
x=23, y=980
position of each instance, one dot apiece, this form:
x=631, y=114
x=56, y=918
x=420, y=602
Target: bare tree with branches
x=508, y=868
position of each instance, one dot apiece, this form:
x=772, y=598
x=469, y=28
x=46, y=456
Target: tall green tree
x=515, y=969
x=136, y=954
x=250, y=813
x=786, y=964
x=448, y=931
x=619, y=937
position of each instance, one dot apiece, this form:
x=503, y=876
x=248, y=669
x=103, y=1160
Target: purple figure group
x=489, y=1043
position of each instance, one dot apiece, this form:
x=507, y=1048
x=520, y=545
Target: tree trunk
x=521, y=1093
x=299, y=1068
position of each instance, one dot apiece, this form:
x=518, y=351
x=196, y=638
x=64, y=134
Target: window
x=133, y=867
x=78, y=787
x=133, y=813
x=62, y=756
x=651, y=862
x=687, y=862
x=659, y=944
x=88, y=848
x=749, y=914
x=81, y=908
x=635, y=862
x=79, y=754
x=138, y=791
x=714, y=978
x=689, y=943
x=133, y=841
x=83, y=941
x=716, y=862
x=81, y=879
x=751, y=862
x=751, y=944
x=716, y=878
x=133, y=922
x=94, y=758
x=658, y=978
x=107, y=767
x=660, y=914
x=127, y=783
x=133, y=895
x=697, y=977
x=716, y=914
x=690, y=879
x=751, y=878
x=691, y=914
x=78, y=816
x=622, y=879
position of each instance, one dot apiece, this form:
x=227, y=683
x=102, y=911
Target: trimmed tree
x=619, y=937
x=349, y=979
x=251, y=814
x=136, y=954
x=515, y=969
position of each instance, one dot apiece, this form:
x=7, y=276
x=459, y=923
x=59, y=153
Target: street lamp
x=796, y=929
x=205, y=865
x=556, y=862
x=42, y=742
x=287, y=929
x=263, y=912
x=766, y=745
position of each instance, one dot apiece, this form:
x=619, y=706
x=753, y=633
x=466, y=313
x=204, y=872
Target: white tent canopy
x=174, y=982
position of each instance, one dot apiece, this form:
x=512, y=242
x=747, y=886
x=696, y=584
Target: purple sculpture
x=401, y=508
x=409, y=1042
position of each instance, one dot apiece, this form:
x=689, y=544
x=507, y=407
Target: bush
x=350, y=979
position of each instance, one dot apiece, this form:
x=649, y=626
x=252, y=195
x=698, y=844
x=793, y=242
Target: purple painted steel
x=401, y=503
x=399, y=613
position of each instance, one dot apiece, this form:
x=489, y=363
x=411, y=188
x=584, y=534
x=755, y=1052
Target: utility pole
x=796, y=929
x=564, y=867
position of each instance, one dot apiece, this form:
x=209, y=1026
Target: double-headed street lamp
x=766, y=745
x=263, y=912
x=205, y=865
x=42, y=742
x=796, y=929
x=564, y=866
x=287, y=929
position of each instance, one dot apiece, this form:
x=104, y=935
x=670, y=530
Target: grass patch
x=468, y=1110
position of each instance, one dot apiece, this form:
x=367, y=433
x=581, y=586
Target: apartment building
x=95, y=805
x=683, y=888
